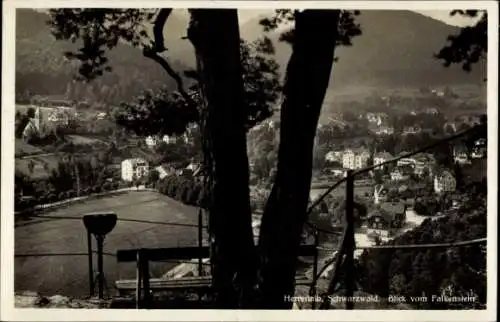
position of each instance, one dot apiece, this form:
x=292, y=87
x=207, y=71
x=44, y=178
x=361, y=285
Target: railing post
x=349, y=260
x=315, y=268
x=138, y=300
x=100, y=266
x=200, y=241
x=91, y=265
x=145, y=279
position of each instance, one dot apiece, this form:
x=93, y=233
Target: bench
x=144, y=286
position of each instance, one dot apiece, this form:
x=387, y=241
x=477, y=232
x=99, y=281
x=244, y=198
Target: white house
x=349, y=159
x=384, y=130
x=409, y=161
x=411, y=130
x=151, y=141
x=134, y=169
x=444, y=182
x=334, y=156
x=101, y=116
x=398, y=175
x=460, y=156
x=355, y=158
x=338, y=172
x=362, y=159
x=162, y=172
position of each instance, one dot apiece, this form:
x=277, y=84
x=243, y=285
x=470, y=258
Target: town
x=101, y=157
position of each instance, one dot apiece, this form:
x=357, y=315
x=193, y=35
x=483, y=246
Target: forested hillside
x=454, y=271
x=42, y=69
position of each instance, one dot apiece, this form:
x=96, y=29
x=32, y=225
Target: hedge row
x=185, y=190
x=41, y=198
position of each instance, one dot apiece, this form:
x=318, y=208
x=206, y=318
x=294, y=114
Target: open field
x=68, y=275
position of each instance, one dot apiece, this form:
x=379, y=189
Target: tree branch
x=160, y=21
x=158, y=47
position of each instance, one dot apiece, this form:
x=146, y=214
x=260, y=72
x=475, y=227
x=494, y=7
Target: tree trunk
x=215, y=36
x=308, y=74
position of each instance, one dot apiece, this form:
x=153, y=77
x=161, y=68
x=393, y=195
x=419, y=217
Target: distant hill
x=42, y=69
x=395, y=50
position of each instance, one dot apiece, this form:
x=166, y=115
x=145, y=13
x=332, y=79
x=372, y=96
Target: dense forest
x=415, y=272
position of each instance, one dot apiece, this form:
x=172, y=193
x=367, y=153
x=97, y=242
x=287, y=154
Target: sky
x=442, y=15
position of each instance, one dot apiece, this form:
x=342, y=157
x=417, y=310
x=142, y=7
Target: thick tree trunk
x=215, y=36
x=308, y=74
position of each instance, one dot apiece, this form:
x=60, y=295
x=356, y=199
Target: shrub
x=51, y=197
x=194, y=195
x=106, y=186
x=186, y=192
x=171, y=189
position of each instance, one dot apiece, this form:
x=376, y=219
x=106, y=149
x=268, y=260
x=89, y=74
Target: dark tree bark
x=215, y=36
x=308, y=74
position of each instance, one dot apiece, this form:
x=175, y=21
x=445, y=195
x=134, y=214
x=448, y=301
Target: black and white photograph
x=288, y=158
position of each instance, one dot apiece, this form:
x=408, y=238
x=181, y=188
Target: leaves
x=470, y=45
x=100, y=30
x=348, y=28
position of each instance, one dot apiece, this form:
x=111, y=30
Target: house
x=460, y=155
x=151, y=141
x=386, y=216
x=411, y=130
x=60, y=117
x=355, y=158
x=398, y=174
x=381, y=157
x=408, y=161
x=375, y=118
x=432, y=110
x=334, y=156
x=384, y=130
x=362, y=158
x=134, y=169
x=349, y=159
x=163, y=171
x=169, y=139
x=479, y=150
x=444, y=181
x=101, y=116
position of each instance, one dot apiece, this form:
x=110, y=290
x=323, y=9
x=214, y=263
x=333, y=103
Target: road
x=68, y=275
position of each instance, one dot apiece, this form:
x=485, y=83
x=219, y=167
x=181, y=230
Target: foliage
x=470, y=45
x=347, y=28
x=412, y=272
x=53, y=75
x=184, y=190
x=155, y=112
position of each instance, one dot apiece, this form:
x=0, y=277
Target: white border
x=7, y=246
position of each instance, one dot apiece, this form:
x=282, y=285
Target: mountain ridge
x=395, y=50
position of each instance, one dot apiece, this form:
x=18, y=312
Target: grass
x=68, y=275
